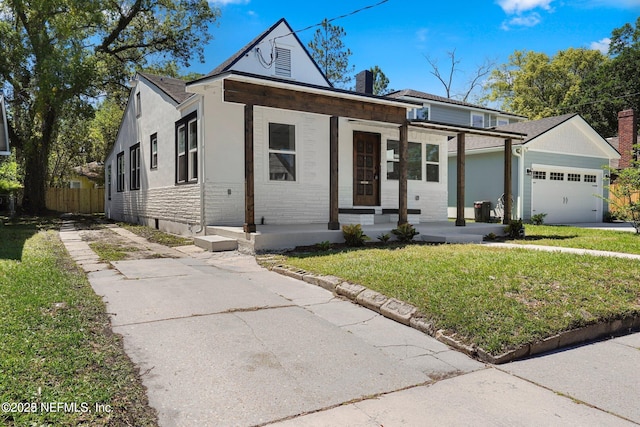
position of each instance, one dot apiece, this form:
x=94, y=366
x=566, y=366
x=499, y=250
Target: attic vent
x=283, y=62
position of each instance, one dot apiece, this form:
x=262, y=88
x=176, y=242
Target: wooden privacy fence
x=75, y=200
x=617, y=201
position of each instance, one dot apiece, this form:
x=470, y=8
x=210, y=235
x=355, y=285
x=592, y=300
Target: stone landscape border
x=409, y=315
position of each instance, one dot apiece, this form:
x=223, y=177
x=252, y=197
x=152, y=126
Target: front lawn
x=581, y=238
x=496, y=298
x=60, y=364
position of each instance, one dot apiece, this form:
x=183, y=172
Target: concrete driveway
x=221, y=341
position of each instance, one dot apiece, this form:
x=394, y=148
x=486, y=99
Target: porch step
x=216, y=243
x=453, y=238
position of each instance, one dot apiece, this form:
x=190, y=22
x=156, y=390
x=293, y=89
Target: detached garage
x=559, y=169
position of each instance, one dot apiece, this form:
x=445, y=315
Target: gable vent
x=283, y=62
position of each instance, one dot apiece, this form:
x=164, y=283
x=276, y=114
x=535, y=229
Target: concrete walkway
x=221, y=341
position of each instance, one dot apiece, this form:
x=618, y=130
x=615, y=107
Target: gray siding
x=484, y=178
x=451, y=115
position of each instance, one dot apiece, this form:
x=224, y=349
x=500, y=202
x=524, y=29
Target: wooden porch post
x=249, y=181
x=460, y=221
x=334, y=222
x=508, y=160
x=404, y=171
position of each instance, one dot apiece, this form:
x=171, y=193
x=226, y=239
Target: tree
x=535, y=85
x=380, y=81
x=58, y=56
x=329, y=52
x=624, y=194
x=473, y=83
x=614, y=86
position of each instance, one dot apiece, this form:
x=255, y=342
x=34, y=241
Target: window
x=539, y=175
x=283, y=62
x=589, y=178
x=109, y=182
x=433, y=163
x=556, y=176
x=193, y=150
x=419, y=113
x=282, y=152
x=138, y=105
x=574, y=177
x=187, y=149
x=502, y=122
x=477, y=120
x=414, y=161
x=134, y=164
x=120, y=172
x=154, y=151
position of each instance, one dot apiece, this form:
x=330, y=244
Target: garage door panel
x=567, y=195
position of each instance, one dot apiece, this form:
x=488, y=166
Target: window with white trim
x=419, y=113
x=433, y=162
x=282, y=152
x=502, y=122
x=283, y=62
x=120, y=172
x=153, y=145
x=539, y=175
x=134, y=165
x=573, y=177
x=187, y=149
x=414, y=160
x=589, y=178
x=477, y=120
x=138, y=105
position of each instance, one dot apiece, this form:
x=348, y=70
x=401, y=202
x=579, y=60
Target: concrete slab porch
x=280, y=237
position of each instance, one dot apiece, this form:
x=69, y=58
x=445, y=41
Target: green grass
x=582, y=238
x=496, y=298
x=111, y=252
x=156, y=236
x=57, y=344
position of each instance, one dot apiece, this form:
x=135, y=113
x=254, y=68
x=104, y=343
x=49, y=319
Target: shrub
x=515, y=229
x=384, y=238
x=353, y=235
x=405, y=232
x=490, y=237
x=538, y=219
x=324, y=245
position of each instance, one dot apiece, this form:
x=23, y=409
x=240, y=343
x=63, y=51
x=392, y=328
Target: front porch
x=280, y=237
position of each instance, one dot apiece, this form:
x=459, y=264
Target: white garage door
x=566, y=195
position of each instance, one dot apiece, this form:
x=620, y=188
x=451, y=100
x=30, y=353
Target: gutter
x=519, y=153
x=202, y=162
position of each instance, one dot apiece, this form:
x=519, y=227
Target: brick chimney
x=364, y=82
x=627, y=136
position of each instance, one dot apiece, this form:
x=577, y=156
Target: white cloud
x=518, y=6
x=601, y=45
x=530, y=20
x=422, y=34
x=226, y=2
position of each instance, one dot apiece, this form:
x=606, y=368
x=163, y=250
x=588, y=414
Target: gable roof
x=233, y=59
x=532, y=128
x=435, y=98
x=174, y=88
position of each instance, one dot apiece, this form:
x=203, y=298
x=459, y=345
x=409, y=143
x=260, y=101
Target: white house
x=559, y=169
x=264, y=139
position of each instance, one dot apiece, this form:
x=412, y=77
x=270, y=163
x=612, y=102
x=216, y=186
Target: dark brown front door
x=366, y=169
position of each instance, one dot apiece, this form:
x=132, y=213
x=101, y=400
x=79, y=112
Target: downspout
x=519, y=153
x=202, y=162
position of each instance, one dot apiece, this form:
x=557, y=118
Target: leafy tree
x=380, y=81
x=614, y=86
x=624, y=194
x=446, y=79
x=329, y=52
x=535, y=85
x=58, y=55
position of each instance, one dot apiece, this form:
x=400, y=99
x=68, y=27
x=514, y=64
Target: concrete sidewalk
x=221, y=341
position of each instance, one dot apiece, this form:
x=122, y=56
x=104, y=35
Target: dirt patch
x=112, y=242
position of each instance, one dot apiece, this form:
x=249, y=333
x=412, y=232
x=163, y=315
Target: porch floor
x=279, y=237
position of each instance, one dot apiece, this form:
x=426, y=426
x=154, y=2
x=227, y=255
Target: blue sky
x=397, y=34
